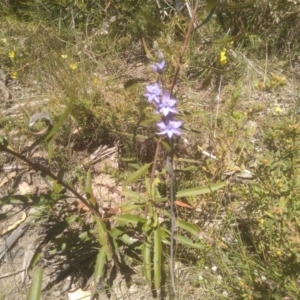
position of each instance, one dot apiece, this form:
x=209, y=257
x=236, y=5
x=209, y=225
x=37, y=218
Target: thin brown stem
x=43, y=170
x=183, y=48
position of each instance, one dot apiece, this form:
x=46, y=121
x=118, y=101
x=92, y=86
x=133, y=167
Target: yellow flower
x=11, y=54
x=14, y=75
x=4, y=40
x=73, y=66
x=278, y=110
x=64, y=56
x=95, y=80
x=223, y=57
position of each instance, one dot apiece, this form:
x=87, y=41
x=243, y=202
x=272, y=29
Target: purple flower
x=154, y=92
x=169, y=126
x=158, y=67
x=166, y=104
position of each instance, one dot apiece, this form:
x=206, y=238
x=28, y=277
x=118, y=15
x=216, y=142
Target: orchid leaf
x=157, y=255
x=200, y=190
x=100, y=264
x=137, y=174
x=147, y=227
x=88, y=188
x=130, y=207
x=34, y=292
x=50, y=148
x=71, y=219
x=132, y=195
x=191, y=228
x=146, y=253
x=102, y=231
x=59, y=123
x=115, y=232
x=128, y=240
x=129, y=219
x=188, y=242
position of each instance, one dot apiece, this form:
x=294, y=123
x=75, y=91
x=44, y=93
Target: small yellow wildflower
x=73, y=66
x=223, y=57
x=4, y=40
x=11, y=54
x=260, y=85
x=64, y=56
x=278, y=80
x=277, y=109
x=14, y=75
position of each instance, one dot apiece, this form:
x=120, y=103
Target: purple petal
x=176, y=124
x=161, y=125
x=166, y=98
x=172, y=102
x=154, y=88
x=151, y=97
x=165, y=110
x=162, y=64
x=154, y=68
x=170, y=134
x=170, y=127
x=154, y=92
x=158, y=67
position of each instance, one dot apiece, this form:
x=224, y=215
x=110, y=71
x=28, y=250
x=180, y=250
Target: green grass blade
x=100, y=264
x=188, y=242
x=153, y=21
x=51, y=133
x=101, y=230
x=59, y=123
x=50, y=148
x=191, y=228
x=129, y=219
x=146, y=253
x=157, y=258
x=130, y=207
x=133, y=195
x=34, y=292
x=88, y=189
x=137, y=174
x=200, y=190
x=227, y=40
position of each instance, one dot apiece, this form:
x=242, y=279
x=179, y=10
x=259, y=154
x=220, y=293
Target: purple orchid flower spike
x=166, y=104
x=169, y=126
x=158, y=67
x=154, y=92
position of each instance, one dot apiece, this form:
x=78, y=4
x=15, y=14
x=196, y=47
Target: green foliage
x=78, y=48
x=34, y=292
x=279, y=173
